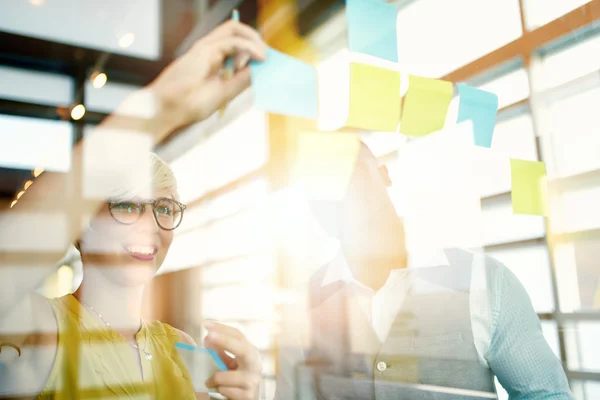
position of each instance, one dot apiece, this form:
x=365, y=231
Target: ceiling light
x=21, y=193
x=13, y=203
x=98, y=79
x=27, y=184
x=38, y=171
x=78, y=112
x=126, y=40
x=37, y=2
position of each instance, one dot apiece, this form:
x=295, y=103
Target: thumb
x=237, y=84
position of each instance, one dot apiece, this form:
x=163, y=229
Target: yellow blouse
x=94, y=361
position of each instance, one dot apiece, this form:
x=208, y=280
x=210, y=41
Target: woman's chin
x=138, y=275
x=132, y=274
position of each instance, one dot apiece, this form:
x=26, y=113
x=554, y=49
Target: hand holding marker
x=229, y=63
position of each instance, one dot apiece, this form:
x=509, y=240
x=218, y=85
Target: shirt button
x=381, y=366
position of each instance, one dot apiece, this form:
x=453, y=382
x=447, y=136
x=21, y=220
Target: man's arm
x=519, y=354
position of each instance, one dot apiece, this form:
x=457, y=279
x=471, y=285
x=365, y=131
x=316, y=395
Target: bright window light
x=28, y=143
x=574, y=133
x=437, y=37
x=209, y=165
x=109, y=98
x=540, y=12
x=99, y=25
x=501, y=225
x=531, y=265
x=576, y=61
x=510, y=88
x=35, y=87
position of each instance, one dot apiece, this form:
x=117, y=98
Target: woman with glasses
x=94, y=343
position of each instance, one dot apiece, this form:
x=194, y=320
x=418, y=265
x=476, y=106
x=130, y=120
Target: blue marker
x=215, y=356
x=229, y=63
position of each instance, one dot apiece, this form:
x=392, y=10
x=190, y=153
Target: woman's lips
x=142, y=257
x=142, y=253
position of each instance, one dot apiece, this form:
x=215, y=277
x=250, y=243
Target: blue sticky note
x=285, y=85
x=372, y=28
x=481, y=107
x=215, y=356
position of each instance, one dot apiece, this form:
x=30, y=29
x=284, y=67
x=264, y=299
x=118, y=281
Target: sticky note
x=284, y=85
x=425, y=105
x=372, y=28
x=374, y=98
x=324, y=163
x=529, y=191
x=480, y=107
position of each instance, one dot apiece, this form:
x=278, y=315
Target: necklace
x=147, y=354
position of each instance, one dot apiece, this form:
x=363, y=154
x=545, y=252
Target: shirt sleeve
x=519, y=354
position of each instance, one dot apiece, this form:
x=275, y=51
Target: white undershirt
x=382, y=307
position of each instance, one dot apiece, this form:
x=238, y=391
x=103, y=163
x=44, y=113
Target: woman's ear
x=385, y=175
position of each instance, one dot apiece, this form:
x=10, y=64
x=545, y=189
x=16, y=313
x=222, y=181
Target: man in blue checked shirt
x=377, y=330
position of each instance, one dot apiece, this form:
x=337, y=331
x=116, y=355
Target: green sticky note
x=425, y=105
x=374, y=98
x=529, y=187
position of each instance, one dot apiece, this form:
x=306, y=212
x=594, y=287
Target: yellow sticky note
x=324, y=163
x=374, y=98
x=425, y=105
x=529, y=187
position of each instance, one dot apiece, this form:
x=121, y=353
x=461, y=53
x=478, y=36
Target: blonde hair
x=160, y=177
x=163, y=178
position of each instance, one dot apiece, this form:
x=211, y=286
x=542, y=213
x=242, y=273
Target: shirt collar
x=338, y=269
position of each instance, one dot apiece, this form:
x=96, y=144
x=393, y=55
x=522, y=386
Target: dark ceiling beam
x=43, y=55
x=61, y=112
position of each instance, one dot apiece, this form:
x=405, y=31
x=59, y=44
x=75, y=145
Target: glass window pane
x=575, y=211
x=513, y=138
x=260, y=334
x=429, y=32
x=550, y=331
x=204, y=167
x=574, y=133
x=583, y=346
x=500, y=225
x=35, y=87
x=239, y=303
x=28, y=143
x=268, y=363
x=241, y=235
x=510, y=88
x=502, y=393
x=566, y=65
x=226, y=205
x=592, y=390
x=93, y=24
x=585, y=390
x=108, y=97
x=579, y=275
x=531, y=265
x=540, y=12
x=268, y=389
x=255, y=268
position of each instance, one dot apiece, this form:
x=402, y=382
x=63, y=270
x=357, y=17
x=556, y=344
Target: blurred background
x=66, y=64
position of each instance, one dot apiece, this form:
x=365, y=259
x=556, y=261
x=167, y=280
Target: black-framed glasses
x=167, y=212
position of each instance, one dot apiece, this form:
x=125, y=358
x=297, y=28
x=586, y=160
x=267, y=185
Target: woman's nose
x=147, y=221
